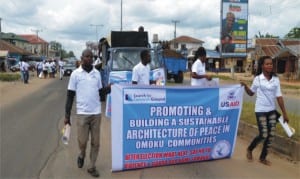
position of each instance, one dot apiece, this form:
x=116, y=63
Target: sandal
x=249, y=155
x=93, y=172
x=265, y=162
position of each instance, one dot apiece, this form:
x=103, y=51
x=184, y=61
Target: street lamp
x=96, y=25
x=121, y=15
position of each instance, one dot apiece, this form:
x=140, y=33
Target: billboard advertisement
x=155, y=126
x=234, y=28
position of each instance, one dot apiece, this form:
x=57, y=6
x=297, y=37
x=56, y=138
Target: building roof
x=266, y=41
x=275, y=47
x=12, y=36
x=187, y=39
x=12, y=48
x=212, y=54
x=33, y=39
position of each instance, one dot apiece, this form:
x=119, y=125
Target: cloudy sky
x=74, y=22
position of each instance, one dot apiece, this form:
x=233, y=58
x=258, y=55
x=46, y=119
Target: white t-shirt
x=141, y=74
x=266, y=93
x=87, y=87
x=61, y=63
x=199, y=68
x=24, y=66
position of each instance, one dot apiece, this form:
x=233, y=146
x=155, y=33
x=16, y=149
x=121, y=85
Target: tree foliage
x=267, y=35
x=294, y=33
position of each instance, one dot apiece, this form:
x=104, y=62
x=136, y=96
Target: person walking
x=39, y=68
x=141, y=71
x=266, y=85
x=85, y=83
x=24, y=67
x=199, y=75
x=61, y=64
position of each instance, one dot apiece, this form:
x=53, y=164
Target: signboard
x=155, y=126
x=234, y=28
x=125, y=77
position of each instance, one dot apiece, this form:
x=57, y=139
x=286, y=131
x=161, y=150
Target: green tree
x=267, y=35
x=294, y=33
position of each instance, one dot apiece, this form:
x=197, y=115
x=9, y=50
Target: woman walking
x=266, y=85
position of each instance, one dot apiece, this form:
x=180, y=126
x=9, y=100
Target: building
x=39, y=46
x=284, y=52
x=185, y=42
x=11, y=54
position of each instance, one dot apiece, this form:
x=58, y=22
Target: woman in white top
x=266, y=85
x=199, y=75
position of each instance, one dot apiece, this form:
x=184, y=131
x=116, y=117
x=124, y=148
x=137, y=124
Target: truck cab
x=123, y=55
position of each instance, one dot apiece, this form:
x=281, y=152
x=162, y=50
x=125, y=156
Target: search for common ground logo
x=135, y=96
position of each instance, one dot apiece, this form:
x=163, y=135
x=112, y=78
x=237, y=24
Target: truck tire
x=179, y=77
x=169, y=76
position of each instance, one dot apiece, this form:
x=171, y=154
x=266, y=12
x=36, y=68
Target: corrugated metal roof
x=273, y=46
x=266, y=41
x=186, y=39
x=288, y=42
x=33, y=39
x=212, y=54
x=270, y=50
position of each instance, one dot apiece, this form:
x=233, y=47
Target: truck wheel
x=169, y=76
x=179, y=77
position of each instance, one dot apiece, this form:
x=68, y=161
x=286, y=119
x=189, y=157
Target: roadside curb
x=281, y=145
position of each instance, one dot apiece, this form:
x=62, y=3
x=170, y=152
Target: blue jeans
x=25, y=76
x=266, y=122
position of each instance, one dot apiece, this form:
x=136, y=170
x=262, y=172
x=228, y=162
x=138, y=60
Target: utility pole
x=0, y=24
x=37, y=32
x=121, y=15
x=96, y=26
x=175, y=22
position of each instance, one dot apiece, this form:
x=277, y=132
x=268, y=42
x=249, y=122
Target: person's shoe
x=80, y=162
x=93, y=172
x=265, y=162
x=249, y=155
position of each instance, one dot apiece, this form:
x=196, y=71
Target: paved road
x=29, y=131
x=31, y=148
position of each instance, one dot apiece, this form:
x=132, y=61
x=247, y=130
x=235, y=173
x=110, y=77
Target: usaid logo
x=229, y=99
x=138, y=96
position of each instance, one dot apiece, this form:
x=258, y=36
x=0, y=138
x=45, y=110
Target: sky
x=75, y=22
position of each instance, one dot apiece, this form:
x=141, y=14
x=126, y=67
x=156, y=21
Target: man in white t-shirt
x=24, y=67
x=141, y=71
x=61, y=64
x=199, y=76
x=85, y=82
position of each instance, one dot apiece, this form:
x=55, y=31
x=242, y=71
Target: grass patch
x=248, y=115
x=10, y=76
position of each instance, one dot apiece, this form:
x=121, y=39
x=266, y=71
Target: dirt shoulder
x=11, y=92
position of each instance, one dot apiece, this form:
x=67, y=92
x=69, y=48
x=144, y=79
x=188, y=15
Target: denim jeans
x=266, y=122
x=25, y=76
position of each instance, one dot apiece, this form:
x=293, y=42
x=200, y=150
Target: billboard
x=154, y=126
x=234, y=28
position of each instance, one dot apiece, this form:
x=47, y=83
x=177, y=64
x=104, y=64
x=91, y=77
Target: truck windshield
x=126, y=59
